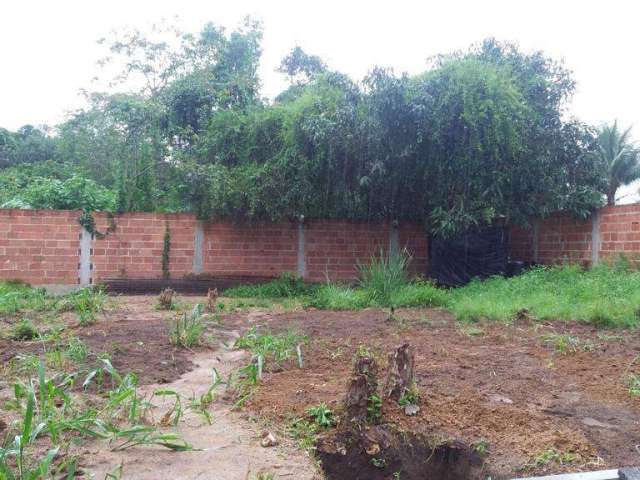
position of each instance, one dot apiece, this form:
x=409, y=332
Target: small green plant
x=481, y=447
x=471, y=331
x=633, y=381
x=410, y=397
x=24, y=330
x=378, y=462
x=566, y=344
x=86, y=302
x=265, y=476
x=188, y=328
x=552, y=455
x=76, y=350
x=322, y=415
x=304, y=432
x=374, y=408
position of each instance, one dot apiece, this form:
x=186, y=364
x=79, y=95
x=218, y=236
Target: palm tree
x=620, y=157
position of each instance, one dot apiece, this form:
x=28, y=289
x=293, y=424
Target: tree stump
x=400, y=374
x=363, y=384
x=212, y=300
x=166, y=299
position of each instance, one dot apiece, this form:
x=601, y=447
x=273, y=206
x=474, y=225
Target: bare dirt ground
x=501, y=385
x=506, y=387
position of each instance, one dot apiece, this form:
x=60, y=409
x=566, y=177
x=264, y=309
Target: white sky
x=48, y=48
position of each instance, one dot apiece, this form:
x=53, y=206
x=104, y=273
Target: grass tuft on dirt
x=606, y=295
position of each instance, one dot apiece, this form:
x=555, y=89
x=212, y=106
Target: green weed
x=322, y=415
x=188, y=328
x=552, y=455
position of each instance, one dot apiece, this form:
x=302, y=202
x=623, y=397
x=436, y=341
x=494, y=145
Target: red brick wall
x=257, y=249
x=39, y=246
x=42, y=246
x=333, y=248
x=620, y=231
x=562, y=238
x=134, y=248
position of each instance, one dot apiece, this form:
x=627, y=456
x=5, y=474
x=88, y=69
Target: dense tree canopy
x=480, y=136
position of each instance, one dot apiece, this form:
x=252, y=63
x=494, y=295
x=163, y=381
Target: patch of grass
x=471, y=331
x=16, y=296
x=303, y=432
x=76, y=350
x=552, y=455
x=270, y=347
x=188, y=328
x=418, y=294
x=633, y=382
x=605, y=296
x=566, y=344
x=24, y=330
x=86, y=302
x=287, y=285
x=337, y=297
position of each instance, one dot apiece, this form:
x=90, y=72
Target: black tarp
x=457, y=260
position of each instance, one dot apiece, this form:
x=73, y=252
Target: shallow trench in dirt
x=382, y=452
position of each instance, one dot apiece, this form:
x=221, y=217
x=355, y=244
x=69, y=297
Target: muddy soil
x=133, y=334
x=493, y=385
x=500, y=387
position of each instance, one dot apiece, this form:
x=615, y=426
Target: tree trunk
x=400, y=374
x=363, y=384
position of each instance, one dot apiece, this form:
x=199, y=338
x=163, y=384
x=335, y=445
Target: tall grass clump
x=188, y=328
x=287, y=285
x=606, y=295
x=384, y=275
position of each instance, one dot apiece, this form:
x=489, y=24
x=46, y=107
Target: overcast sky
x=48, y=48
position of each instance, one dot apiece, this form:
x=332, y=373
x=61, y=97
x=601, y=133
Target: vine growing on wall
x=166, y=249
x=88, y=222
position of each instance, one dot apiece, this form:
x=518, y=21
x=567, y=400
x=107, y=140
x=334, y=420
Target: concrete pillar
x=302, y=259
x=84, y=263
x=595, y=237
x=198, y=248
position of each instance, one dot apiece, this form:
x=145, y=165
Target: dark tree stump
x=212, y=300
x=166, y=299
x=400, y=374
x=362, y=385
